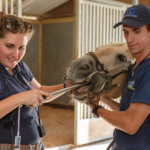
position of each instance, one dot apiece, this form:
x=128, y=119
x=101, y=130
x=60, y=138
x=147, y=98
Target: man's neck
x=140, y=57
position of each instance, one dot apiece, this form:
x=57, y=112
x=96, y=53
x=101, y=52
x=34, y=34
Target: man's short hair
x=148, y=27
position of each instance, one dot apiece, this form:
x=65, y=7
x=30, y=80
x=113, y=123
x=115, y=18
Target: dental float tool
x=18, y=137
x=69, y=88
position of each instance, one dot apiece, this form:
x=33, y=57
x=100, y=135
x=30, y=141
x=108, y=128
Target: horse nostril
x=84, y=67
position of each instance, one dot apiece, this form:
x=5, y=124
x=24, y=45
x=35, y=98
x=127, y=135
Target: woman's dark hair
x=19, y=28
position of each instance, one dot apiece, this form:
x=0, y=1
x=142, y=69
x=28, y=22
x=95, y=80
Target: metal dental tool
x=69, y=88
x=66, y=89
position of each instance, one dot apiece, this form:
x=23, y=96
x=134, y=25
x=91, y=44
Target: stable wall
x=49, y=52
x=31, y=57
x=57, y=52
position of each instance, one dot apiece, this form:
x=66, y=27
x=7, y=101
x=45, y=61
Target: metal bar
x=81, y=111
x=19, y=8
x=111, y=26
x=84, y=46
x=78, y=28
x=86, y=29
x=120, y=27
x=85, y=111
x=107, y=26
x=6, y=6
x=123, y=39
x=77, y=118
x=89, y=112
x=83, y=7
x=75, y=52
x=104, y=26
x=97, y=26
x=117, y=29
x=11, y=7
x=82, y=29
x=122, y=35
x=105, y=3
x=135, y=2
x=101, y=26
x=90, y=27
x=76, y=108
x=1, y=5
x=93, y=29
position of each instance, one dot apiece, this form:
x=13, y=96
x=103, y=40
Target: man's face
x=138, y=39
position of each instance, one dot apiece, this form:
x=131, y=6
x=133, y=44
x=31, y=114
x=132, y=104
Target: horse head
x=105, y=71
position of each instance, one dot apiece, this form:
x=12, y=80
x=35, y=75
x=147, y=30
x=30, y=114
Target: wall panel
x=31, y=57
x=57, y=52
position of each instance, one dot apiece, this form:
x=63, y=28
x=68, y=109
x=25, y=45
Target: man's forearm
x=119, y=120
x=113, y=105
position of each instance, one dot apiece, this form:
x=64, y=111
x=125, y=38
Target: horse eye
x=84, y=67
x=122, y=58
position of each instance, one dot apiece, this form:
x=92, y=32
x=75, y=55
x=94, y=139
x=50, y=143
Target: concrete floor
x=93, y=146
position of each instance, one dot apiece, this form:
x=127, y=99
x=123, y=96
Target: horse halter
x=98, y=63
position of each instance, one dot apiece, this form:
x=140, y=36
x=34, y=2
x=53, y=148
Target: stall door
x=94, y=27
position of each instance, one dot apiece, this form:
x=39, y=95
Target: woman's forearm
x=9, y=104
x=51, y=89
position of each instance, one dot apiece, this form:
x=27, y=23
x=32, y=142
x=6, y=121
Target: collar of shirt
x=6, y=73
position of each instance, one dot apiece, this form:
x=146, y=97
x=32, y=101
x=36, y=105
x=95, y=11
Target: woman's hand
x=33, y=98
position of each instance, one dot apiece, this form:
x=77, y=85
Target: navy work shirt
x=28, y=118
x=137, y=90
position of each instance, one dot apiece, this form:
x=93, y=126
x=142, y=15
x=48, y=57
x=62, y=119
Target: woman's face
x=12, y=49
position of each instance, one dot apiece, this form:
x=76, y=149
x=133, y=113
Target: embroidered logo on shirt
x=130, y=85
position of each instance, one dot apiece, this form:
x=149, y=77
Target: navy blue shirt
x=28, y=121
x=137, y=90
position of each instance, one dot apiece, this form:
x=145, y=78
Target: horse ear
x=121, y=44
x=112, y=42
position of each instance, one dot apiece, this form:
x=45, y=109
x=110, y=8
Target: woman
x=18, y=87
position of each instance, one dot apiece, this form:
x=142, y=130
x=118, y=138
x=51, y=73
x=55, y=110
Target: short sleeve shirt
x=137, y=90
x=28, y=119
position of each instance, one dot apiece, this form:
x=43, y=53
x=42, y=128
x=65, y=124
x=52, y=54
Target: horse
x=105, y=72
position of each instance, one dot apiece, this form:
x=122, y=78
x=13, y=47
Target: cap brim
x=130, y=23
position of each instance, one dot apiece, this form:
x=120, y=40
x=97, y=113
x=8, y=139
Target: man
x=132, y=121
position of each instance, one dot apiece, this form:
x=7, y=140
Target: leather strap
x=98, y=63
x=111, y=144
x=22, y=147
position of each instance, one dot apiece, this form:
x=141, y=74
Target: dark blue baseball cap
x=136, y=16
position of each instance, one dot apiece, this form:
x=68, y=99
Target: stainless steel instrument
x=69, y=88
